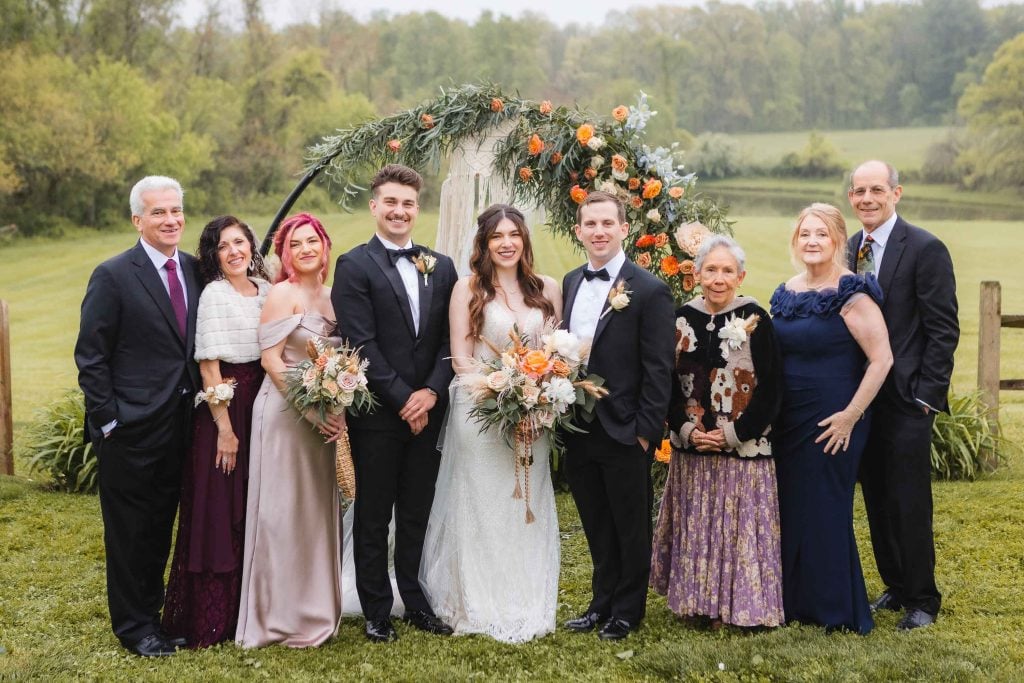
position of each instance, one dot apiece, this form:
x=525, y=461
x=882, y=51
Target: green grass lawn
x=53, y=619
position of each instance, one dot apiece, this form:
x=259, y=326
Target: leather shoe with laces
x=915, y=618
x=585, y=622
x=425, y=621
x=380, y=630
x=886, y=601
x=615, y=629
x=152, y=646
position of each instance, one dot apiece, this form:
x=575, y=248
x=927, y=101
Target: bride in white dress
x=484, y=569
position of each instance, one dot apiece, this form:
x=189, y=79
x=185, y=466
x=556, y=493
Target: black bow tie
x=599, y=274
x=399, y=254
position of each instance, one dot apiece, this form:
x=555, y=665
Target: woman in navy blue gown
x=836, y=355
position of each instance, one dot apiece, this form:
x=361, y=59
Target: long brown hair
x=481, y=285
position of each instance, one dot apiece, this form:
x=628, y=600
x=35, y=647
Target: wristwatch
x=432, y=392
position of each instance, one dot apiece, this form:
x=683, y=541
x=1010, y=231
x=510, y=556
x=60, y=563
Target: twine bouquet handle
x=343, y=468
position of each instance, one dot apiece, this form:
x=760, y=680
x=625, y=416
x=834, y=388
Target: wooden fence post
x=6, y=414
x=990, y=319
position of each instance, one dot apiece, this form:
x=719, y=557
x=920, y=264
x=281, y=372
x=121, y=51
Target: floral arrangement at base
x=331, y=381
x=532, y=387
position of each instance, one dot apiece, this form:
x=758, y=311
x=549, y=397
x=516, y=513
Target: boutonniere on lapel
x=425, y=263
x=618, y=298
x=735, y=332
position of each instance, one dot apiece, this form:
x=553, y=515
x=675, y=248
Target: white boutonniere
x=425, y=264
x=736, y=331
x=618, y=298
x=218, y=395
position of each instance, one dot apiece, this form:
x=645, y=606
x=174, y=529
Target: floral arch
x=548, y=156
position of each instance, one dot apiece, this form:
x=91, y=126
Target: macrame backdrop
x=472, y=185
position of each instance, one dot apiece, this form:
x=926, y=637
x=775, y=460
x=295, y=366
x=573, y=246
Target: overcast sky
x=281, y=12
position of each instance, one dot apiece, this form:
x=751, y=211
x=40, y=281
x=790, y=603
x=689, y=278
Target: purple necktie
x=177, y=294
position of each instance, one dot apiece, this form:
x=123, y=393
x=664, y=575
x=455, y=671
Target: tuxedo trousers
x=611, y=484
x=895, y=476
x=395, y=471
x=140, y=470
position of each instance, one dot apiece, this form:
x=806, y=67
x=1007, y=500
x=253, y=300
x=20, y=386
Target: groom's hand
x=644, y=443
x=419, y=404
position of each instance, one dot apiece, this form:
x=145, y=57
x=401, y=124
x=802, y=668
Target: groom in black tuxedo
x=915, y=273
x=391, y=300
x=135, y=367
x=629, y=315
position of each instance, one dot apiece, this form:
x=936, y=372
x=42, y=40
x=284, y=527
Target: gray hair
x=148, y=184
x=720, y=241
x=890, y=170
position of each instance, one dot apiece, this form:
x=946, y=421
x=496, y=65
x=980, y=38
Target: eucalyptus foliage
x=55, y=443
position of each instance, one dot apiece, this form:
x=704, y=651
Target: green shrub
x=714, y=155
x=54, y=444
x=963, y=445
x=819, y=159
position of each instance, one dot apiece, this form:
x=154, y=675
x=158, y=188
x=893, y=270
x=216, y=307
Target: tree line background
x=95, y=93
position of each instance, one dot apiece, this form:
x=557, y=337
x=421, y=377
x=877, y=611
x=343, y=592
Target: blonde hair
x=834, y=223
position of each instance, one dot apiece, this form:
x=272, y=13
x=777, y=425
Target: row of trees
x=96, y=92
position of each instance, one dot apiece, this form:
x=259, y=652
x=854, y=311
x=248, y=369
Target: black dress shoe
x=152, y=646
x=615, y=629
x=425, y=621
x=176, y=641
x=380, y=630
x=585, y=622
x=915, y=618
x=887, y=601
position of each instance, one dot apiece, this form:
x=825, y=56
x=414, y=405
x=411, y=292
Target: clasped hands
x=417, y=408
x=707, y=441
x=332, y=426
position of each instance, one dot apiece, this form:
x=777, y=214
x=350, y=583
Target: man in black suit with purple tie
x=915, y=273
x=629, y=315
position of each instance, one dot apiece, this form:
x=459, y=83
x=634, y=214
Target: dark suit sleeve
x=353, y=308
x=441, y=376
x=935, y=289
x=766, y=398
x=97, y=337
x=657, y=354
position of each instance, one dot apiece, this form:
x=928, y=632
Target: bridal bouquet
x=532, y=387
x=331, y=381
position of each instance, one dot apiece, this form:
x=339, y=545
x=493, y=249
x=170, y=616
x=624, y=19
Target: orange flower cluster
x=670, y=265
x=660, y=240
x=545, y=107
x=652, y=188
x=675, y=192
x=497, y=105
x=634, y=184
x=427, y=120
x=556, y=158
x=560, y=368
x=636, y=202
x=535, y=363
x=578, y=194
x=535, y=146
x=525, y=174
x=619, y=163
x=664, y=452
x=645, y=241
x=620, y=113
x=394, y=145
x=584, y=133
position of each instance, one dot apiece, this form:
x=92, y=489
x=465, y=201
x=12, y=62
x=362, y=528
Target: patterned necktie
x=177, y=294
x=866, y=257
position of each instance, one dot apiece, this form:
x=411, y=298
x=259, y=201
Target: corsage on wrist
x=218, y=395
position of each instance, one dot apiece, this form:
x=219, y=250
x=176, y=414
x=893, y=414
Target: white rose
x=546, y=419
x=595, y=143
x=498, y=380
x=620, y=175
x=508, y=360
x=608, y=186
x=565, y=344
x=620, y=301
x=596, y=162
x=561, y=392
x=223, y=392
x=531, y=395
x=654, y=216
x=346, y=398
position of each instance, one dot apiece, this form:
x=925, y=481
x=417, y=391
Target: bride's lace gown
x=484, y=569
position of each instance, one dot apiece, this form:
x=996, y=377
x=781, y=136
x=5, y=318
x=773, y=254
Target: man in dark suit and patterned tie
x=135, y=367
x=915, y=272
x=629, y=315
x=391, y=300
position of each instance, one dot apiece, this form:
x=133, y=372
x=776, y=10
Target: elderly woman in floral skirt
x=716, y=543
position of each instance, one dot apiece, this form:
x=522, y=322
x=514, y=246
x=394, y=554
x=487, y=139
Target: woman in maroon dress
x=206, y=572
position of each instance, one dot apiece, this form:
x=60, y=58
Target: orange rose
x=394, y=145
x=645, y=241
x=545, y=107
x=634, y=183
x=590, y=173
x=652, y=188
x=643, y=259
x=556, y=157
x=689, y=282
x=535, y=363
x=686, y=267
x=525, y=174
x=584, y=133
x=497, y=106
x=578, y=194
x=619, y=163
x=427, y=120
x=670, y=265
x=535, y=146
x=661, y=240
x=620, y=113
x=636, y=202
x=664, y=453
x=560, y=367
x=675, y=192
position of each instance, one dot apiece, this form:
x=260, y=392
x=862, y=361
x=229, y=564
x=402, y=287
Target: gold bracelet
x=858, y=409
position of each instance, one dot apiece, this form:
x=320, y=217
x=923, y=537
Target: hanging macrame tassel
x=517, y=494
x=527, y=456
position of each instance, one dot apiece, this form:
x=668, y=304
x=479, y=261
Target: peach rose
x=590, y=173
x=620, y=113
x=670, y=265
x=427, y=120
x=643, y=260
x=584, y=133
x=560, y=367
x=535, y=146
x=634, y=183
x=535, y=363
x=689, y=282
x=497, y=106
x=660, y=240
x=394, y=145
x=545, y=107
x=556, y=157
x=675, y=192
x=636, y=202
x=619, y=163
x=652, y=188
x=578, y=194
x=686, y=267
x=525, y=174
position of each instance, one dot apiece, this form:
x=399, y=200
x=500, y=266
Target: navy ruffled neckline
x=790, y=304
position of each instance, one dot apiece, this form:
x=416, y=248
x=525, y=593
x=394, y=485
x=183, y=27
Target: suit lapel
x=625, y=275
x=426, y=293
x=852, y=247
x=379, y=254
x=891, y=255
x=192, y=283
x=154, y=286
x=570, y=295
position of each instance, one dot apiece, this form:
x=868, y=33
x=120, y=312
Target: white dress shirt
x=591, y=298
x=880, y=237
x=408, y=272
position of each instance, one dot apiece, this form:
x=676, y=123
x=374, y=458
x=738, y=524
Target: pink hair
x=283, y=235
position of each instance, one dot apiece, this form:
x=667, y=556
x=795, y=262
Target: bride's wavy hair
x=481, y=286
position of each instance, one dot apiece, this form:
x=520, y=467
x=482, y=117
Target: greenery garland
x=553, y=157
